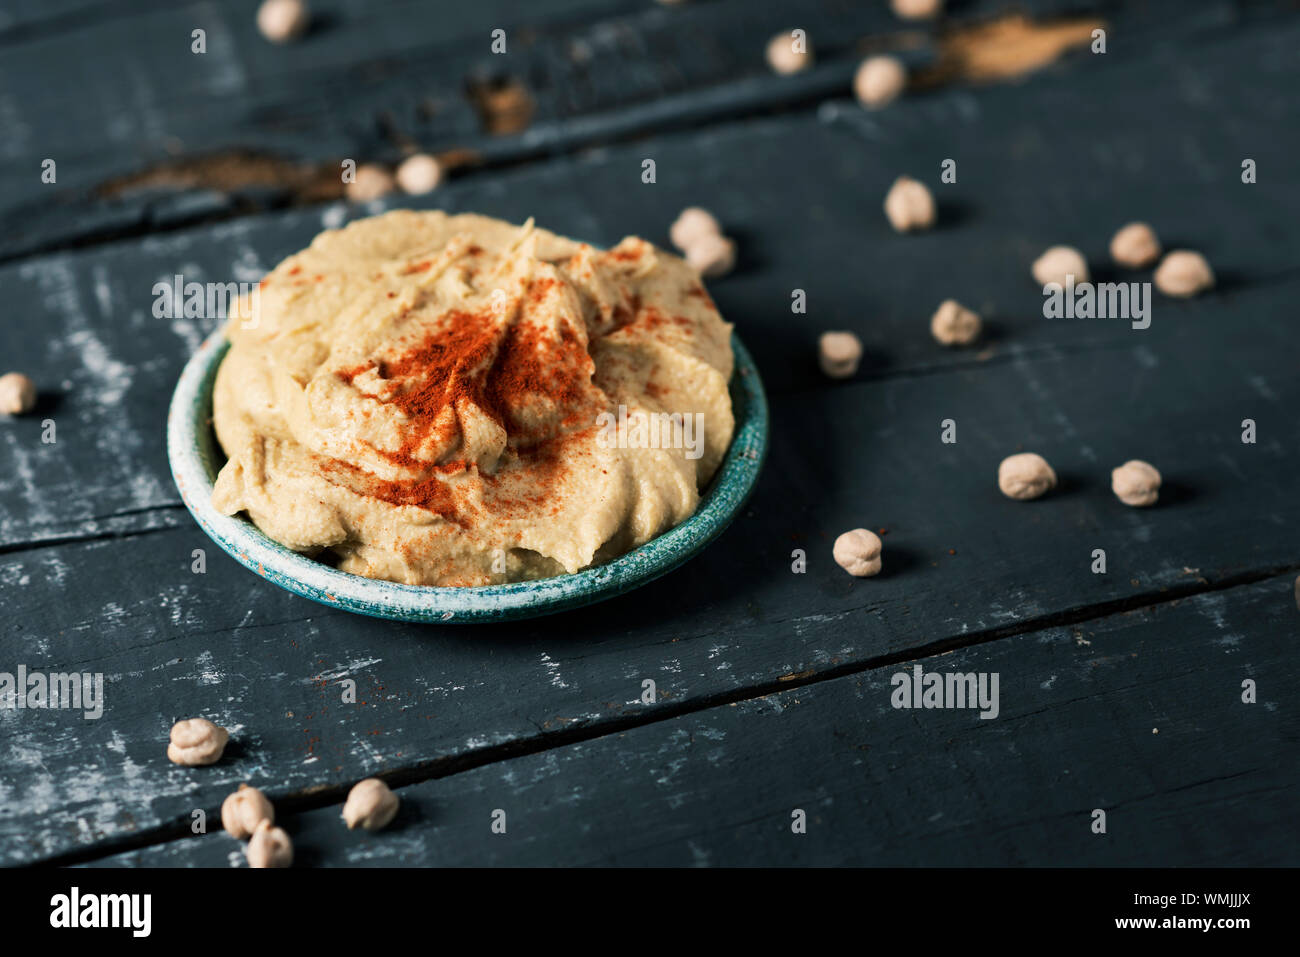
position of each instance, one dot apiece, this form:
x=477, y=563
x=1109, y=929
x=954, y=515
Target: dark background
x=1119, y=691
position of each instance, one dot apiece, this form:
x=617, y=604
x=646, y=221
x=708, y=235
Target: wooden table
x=1120, y=691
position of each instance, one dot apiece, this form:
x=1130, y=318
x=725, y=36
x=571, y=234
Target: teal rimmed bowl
x=196, y=457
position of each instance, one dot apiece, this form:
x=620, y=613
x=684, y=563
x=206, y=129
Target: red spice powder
x=624, y=255
x=430, y=493
x=699, y=292
x=470, y=357
x=652, y=318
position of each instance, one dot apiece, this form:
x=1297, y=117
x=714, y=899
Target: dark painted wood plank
x=961, y=562
x=377, y=79
x=1140, y=715
x=106, y=364
x=1087, y=395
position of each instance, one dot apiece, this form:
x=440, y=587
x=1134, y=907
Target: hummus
x=454, y=400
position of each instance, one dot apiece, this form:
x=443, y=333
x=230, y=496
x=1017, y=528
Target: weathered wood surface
x=1061, y=182
x=963, y=565
x=95, y=574
x=375, y=80
x=1138, y=714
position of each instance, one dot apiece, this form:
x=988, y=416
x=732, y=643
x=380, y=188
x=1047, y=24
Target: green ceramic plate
x=196, y=457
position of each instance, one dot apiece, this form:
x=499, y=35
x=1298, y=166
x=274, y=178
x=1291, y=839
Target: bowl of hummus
x=453, y=418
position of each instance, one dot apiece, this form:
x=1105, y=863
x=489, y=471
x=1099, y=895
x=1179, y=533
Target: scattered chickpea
x=909, y=205
x=1183, y=273
x=371, y=182
x=419, y=174
x=712, y=255
x=1136, y=483
x=269, y=847
x=917, y=9
x=1135, y=246
x=839, y=354
x=196, y=741
x=17, y=394
x=244, y=810
x=283, y=20
x=954, y=325
x=858, y=553
x=1025, y=476
x=692, y=224
x=1057, y=263
x=784, y=58
x=371, y=805
x=879, y=80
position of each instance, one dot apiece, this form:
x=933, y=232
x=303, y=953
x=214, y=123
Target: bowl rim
x=191, y=448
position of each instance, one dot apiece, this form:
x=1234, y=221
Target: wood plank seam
x=550, y=740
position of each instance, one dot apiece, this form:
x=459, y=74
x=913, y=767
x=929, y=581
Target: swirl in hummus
x=453, y=400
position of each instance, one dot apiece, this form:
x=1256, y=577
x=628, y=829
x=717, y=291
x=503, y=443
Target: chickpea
x=243, y=810
x=269, y=847
x=1136, y=483
x=371, y=182
x=1135, y=246
x=955, y=325
x=858, y=552
x=1058, y=263
x=419, y=174
x=909, y=205
x=691, y=225
x=879, y=80
x=712, y=255
x=17, y=394
x=917, y=9
x=1183, y=273
x=196, y=741
x=1025, y=476
x=784, y=58
x=283, y=20
x=839, y=354
x=371, y=805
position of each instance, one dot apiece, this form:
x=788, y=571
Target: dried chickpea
x=879, y=80
x=1058, y=263
x=371, y=182
x=1136, y=483
x=712, y=255
x=1135, y=246
x=371, y=805
x=839, y=354
x=858, y=552
x=17, y=394
x=909, y=205
x=692, y=224
x=283, y=20
x=419, y=174
x=243, y=810
x=1183, y=273
x=782, y=56
x=917, y=9
x=954, y=325
x=269, y=847
x=1025, y=476
x=196, y=741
